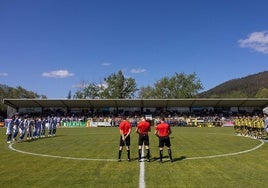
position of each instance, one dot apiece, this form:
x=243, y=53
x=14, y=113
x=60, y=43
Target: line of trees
x=117, y=86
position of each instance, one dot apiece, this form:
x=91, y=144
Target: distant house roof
x=92, y=103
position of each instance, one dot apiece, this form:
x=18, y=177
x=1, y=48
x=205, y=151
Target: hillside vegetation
x=16, y=93
x=252, y=86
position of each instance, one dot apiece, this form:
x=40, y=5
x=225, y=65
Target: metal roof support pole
x=117, y=109
x=92, y=110
x=141, y=109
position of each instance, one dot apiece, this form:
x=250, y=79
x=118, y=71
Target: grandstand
x=141, y=105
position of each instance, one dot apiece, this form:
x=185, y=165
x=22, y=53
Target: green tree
x=94, y=91
x=88, y=91
x=177, y=86
x=115, y=86
x=79, y=94
x=119, y=87
x=22, y=93
x=146, y=92
x=262, y=93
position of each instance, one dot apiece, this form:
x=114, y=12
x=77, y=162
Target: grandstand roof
x=91, y=103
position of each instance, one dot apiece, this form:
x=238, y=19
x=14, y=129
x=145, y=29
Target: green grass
x=242, y=170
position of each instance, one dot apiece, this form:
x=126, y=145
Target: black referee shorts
x=164, y=141
x=143, y=138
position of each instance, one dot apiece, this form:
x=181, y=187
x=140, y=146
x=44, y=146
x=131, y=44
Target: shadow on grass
x=166, y=159
x=39, y=138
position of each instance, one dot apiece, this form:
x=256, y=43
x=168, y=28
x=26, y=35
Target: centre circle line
x=113, y=160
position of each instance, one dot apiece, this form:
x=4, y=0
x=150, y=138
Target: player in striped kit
x=16, y=127
x=22, y=128
x=9, y=131
x=43, y=128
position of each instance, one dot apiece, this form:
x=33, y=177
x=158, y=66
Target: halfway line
x=142, y=171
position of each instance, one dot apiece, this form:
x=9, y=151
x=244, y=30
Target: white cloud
x=137, y=71
x=3, y=74
x=78, y=86
x=57, y=74
x=257, y=41
x=106, y=64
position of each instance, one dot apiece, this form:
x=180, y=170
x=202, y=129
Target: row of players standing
x=31, y=127
x=162, y=131
x=255, y=127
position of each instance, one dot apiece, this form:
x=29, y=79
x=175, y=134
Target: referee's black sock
x=119, y=154
x=128, y=154
x=139, y=154
x=148, y=153
x=170, y=154
x=161, y=154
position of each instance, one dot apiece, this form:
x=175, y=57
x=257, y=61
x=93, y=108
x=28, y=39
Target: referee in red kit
x=143, y=128
x=125, y=130
x=162, y=131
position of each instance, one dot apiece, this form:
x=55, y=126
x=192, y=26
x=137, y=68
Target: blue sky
x=52, y=46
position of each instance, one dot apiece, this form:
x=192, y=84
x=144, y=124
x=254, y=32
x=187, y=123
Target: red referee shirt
x=163, y=129
x=125, y=126
x=144, y=127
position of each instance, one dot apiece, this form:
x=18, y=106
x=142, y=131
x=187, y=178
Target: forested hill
x=18, y=92
x=252, y=86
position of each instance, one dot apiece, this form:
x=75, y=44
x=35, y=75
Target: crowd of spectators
x=199, y=118
x=32, y=124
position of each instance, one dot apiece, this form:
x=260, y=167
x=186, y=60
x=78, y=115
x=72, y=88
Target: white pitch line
x=58, y=157
x=228, y=154
x=141, y=164
x=142, y=171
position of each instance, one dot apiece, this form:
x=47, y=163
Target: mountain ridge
x=251, y=86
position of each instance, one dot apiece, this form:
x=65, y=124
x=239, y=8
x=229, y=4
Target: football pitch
x=87, y=157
